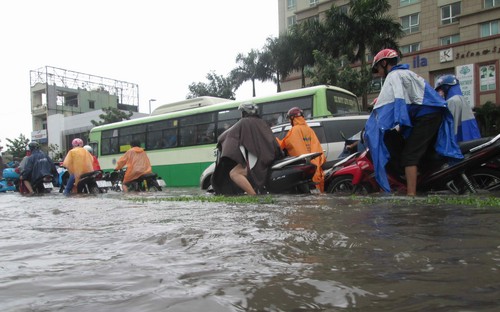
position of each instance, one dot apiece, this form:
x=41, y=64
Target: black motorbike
x=293, y=174
x=146, y=182
x=88, y=182
x=43, y=185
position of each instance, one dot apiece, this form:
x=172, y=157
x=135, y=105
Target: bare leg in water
x=411, y=180
x=239, y=176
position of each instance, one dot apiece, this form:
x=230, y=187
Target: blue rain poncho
x=402, y=88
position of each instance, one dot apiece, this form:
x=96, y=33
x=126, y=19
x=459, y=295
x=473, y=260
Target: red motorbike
x=478, y=171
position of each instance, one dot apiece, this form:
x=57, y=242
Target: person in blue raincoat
x=466, y=127
x=410, y=105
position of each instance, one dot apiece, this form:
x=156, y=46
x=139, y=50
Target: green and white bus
x=181, y=144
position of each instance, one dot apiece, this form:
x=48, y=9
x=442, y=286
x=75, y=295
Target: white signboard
x=465, y=74
x=39, y=136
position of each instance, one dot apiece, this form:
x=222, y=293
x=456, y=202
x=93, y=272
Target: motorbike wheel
x=153, y=186
x=485, y=179
x=342, y=185
x=94, y=190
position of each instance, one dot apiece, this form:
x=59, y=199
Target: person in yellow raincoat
x=301, y=139
x=137, y=162
x=78, y=161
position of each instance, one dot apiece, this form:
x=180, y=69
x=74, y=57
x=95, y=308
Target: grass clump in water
x=472, y=201
x=209, y=199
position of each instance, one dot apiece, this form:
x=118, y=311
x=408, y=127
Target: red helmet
x=294, y=112
x=77, y=142
x=382, y=55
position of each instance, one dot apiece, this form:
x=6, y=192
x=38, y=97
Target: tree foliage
x=110, y=115
x=488, y=118
x=17, y=147
x=315, y=47
x=217, y=86
x=250, y=67
x=364, y=27
x=338, y=72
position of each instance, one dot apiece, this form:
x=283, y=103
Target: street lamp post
x=152, y=100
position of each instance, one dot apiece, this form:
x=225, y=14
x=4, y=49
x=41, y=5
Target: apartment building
x=442, y=37
x=63, y=102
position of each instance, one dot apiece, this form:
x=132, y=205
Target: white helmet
x=88, y=148
x=249, y=108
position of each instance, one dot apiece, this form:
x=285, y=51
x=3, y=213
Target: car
x=331, y=132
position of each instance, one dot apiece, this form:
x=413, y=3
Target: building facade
x=442, y=37
x=63, y=103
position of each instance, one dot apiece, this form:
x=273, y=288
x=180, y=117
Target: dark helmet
x=135, y=143
x=294, y=112
x=384, y=55
x=249, y=108
x=33, y=146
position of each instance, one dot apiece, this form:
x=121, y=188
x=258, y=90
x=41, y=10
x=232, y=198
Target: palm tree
x=365, y=27
x=250, y=67
x=304, y=38
x=278, y=59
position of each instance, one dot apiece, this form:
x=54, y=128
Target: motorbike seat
x=467, y=145
x=88, y=174
x=149, y=176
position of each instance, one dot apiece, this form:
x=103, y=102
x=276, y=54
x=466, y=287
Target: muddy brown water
x=297, y=253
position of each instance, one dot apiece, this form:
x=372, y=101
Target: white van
x=330, y=132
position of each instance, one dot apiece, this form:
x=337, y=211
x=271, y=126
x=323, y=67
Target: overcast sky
x=163, y=46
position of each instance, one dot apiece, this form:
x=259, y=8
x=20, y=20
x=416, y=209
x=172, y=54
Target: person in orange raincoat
x=137, y=162
x=301, y=139
x=78, y=161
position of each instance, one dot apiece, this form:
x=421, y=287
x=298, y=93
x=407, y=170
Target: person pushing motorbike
x=301, y=139
x=410, y=105
x=250, y=136
x=137, y=162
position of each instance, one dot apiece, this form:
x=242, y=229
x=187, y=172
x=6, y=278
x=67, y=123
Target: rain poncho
x=301, y=139
x=137, y=162
x=78, y=161
x=401, y=88
x=95, y=163
x=257, y=138
x=466, y=127
x=37, y=166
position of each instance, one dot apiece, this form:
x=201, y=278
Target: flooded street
x=135, y=252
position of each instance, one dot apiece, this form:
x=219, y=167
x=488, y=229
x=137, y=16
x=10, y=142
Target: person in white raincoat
x=409, y=104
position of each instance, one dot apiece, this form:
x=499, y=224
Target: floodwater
x=121, y=252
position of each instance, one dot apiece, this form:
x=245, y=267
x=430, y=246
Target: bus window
x=109, y=142
x=193, y=129
x=227, y=118
x=339, y=103
x=274, y=113
x=162, y=134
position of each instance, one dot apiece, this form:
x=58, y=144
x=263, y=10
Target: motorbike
x=10, y=180
x=88, y=182
x=43, y=185
x=146, y=182
x=292, y=174
x=478, y=171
